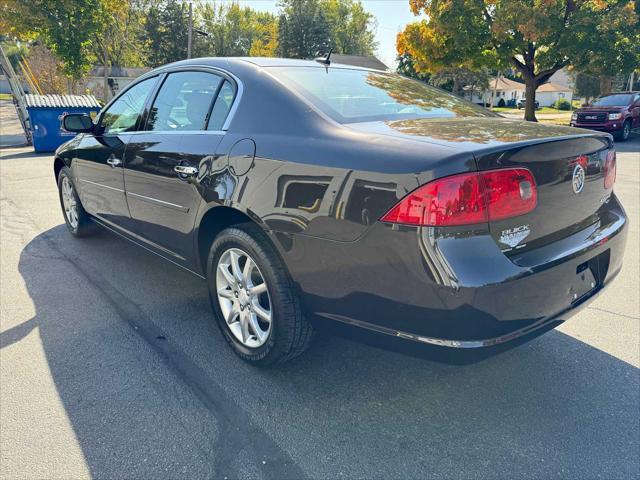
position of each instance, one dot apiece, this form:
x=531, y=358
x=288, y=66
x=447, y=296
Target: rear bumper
x=456, y=291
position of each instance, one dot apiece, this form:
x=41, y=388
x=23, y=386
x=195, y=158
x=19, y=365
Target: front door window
x=124, y=113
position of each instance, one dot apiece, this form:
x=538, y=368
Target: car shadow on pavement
x=19, y=154
x=151, y=389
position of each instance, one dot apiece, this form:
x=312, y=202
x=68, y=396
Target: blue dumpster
x=45, y=116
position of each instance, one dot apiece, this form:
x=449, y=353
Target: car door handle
x=183, y=170
x=114, y=162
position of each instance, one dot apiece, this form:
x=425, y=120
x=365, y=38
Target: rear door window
x=183, y=102
x=221, y=108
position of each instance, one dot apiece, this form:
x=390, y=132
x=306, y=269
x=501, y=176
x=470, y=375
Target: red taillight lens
x=509, y=193
x=610, y=170
x=467, y=199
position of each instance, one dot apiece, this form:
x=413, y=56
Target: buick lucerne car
x=304, y=192
x=616, y=113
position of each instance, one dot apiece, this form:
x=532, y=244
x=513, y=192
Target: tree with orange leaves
x=536, y=37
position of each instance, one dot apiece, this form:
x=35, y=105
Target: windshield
x=361, y=96
x=619, y=100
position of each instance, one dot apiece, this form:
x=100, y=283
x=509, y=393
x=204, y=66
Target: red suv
x=617, y=113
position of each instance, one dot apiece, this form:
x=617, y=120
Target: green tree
x=236, y=31
x=407, y=67
x=303, y=29
x=66, y=27
x=352, y=29
x=165, y=32
x=586, y=86
x=615, y=50
x=455, y=79
x=536, y=37
x=117, y=41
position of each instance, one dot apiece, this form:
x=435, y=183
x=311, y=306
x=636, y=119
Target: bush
x=562, y=104
x=501, y=103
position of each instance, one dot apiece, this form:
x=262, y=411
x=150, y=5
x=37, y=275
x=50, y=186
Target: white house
x=506, y=89
x=549, y=93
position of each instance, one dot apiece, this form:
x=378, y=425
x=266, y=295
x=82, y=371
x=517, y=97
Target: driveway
x=111, y=366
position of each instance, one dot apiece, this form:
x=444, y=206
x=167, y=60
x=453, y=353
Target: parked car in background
x=616, y=113
x=522, y=103
x=300, y=190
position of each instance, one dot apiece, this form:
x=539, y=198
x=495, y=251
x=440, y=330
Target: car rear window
x=349, y=95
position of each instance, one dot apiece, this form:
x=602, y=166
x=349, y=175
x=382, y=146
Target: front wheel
x=254, y=299
x=625, y=133
x=76, y=218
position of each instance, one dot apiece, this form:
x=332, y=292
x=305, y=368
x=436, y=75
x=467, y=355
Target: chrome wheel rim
x=243, y=297
x=69, y=202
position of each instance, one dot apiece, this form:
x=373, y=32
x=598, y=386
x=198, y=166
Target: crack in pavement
x=613, y=313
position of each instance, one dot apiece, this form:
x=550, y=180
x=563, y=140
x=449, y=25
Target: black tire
x=84, y=226
x=625, y=133
x=290, y=332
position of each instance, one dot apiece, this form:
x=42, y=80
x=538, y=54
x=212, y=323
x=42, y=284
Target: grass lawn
x=553, y=110
x=543, y=110
x=5, y=96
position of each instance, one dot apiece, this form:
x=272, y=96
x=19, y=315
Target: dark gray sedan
x=303, y=192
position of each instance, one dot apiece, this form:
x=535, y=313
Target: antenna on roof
x=325, y=60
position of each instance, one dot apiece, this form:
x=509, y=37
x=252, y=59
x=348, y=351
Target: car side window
x=221, y=108
x=183, y=102
x=123, y=114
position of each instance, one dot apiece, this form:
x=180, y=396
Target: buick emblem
x=578, y=178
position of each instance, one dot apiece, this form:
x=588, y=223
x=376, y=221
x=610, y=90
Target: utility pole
x=105, y=80
x=190, y=34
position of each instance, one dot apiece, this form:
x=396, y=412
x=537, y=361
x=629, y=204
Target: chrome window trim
x=156, y=201
x=221, y=72
x=140, y=79
x=178, y=132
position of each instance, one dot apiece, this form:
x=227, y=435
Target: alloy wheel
x=69, y=202
x=626, y=131
x=244, y=298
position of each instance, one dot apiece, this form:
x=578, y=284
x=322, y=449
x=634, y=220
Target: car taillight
x=467, y=198
x=610, y=170
x=510, y=192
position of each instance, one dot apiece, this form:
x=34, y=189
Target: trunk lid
x=569, y=176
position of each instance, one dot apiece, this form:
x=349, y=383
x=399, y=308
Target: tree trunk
x=530, y=95
x=456, y=85
x=493, y=90
x=605, y=85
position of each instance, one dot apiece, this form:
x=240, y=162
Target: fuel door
x=241, y=157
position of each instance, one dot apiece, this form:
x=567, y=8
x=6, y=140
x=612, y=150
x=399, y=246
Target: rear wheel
x=254, y=299
x=76, y=218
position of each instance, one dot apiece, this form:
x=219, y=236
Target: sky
x=391, y=17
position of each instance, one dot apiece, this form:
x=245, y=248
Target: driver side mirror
x=77, y=122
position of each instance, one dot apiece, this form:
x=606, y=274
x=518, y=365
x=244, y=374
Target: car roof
x=262, y=62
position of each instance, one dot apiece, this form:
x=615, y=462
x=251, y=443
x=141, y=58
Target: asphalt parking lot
x=111, y=366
